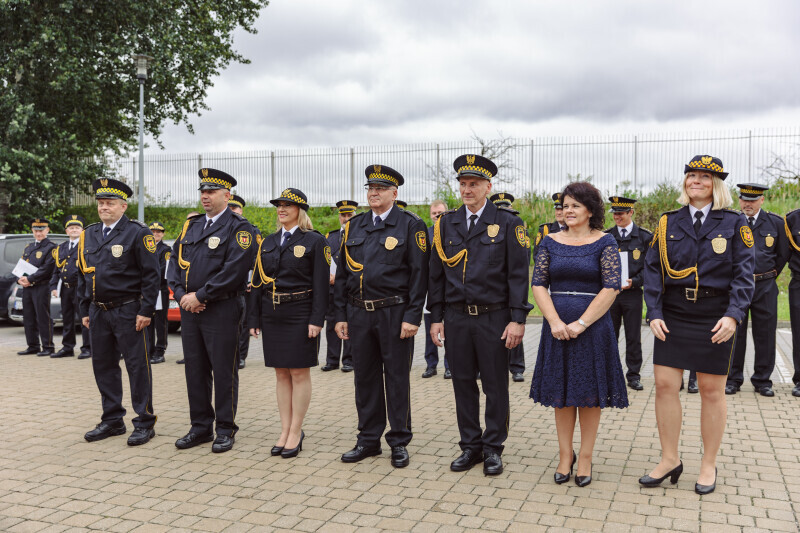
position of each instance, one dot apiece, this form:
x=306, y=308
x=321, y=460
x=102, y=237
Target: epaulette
x=414, y=215
x=775, y=215
x=197, y=215
x=510, y=210
x=731, y=211
x=670, y=212
x=238, y=216
x=327, y=234
x=645, y=230
x=362, y=213
x=140, y=223
x=91, y=225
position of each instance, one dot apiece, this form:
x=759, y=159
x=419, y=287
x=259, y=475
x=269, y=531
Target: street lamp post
x=142, y=62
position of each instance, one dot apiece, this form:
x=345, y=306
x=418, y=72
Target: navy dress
x=586, y=371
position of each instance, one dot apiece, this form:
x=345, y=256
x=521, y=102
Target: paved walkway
x=52, y=480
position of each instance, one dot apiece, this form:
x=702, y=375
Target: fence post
x=438, y=163
x=272, y=174
x=749, y=154
x=352, y=172
x=635, y=162
x=532, y=186
x=199, y=161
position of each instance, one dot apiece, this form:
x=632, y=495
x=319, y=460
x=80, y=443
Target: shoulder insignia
x=645, y=230
x=747, y=236
x=198, y=215
x=167, y=256
x=142, y=224
x=519, y=231
x=91, y=225
x=670, y=212
x=327, y=252
x=327, y=234
x=413, y=215
x=421, y=238
x=150, y=243
x=237, y=216
x=244, y=239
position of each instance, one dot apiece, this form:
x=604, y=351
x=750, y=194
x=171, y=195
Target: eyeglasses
x=379, y=188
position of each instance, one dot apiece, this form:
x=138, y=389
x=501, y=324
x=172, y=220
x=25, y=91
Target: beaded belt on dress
x=573, y=293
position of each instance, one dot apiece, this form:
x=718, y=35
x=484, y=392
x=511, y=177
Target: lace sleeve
x=610, y=269
x=541, y=269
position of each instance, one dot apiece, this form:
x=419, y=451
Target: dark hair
x=588, y=195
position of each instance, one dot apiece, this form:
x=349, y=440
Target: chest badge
x=770, y=240
x=391, y=242
x=116, y=250
x=636, y=254
x=213, y=242
x=299, y=251
x=38, y=255
x=719, y=245
x=493, y=229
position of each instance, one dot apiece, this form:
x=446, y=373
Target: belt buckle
x=472, y=310
x=691, y=294
x=276, y=299
x=369, y=305
x=101, y=305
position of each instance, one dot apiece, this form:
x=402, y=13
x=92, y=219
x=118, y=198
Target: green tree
x=68, y=93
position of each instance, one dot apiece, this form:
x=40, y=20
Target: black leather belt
x=703, y=292
x=285, y=297
x=105, y=306
x=371, y=305
x=766, y=275
x=476, y=310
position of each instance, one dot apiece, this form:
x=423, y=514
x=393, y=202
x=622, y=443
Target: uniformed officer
x=771, y=252
x=551, y=227
x=337, y=347
x=634, y=241
x=237, y=203
x=791, y=224
x=379, y=295
x=208, y=276
x=189, y=215
x=66, y=272
x=158, y=332
x=401, y=204
x=431, y=350
x=118, y=287
x=36, y=293
x=478, y=290
x=516, y=356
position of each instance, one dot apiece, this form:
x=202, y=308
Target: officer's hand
x=437, y=333
x=407, y=330
x=574, y=329
x=255, y=332
x=142, y=322
x=313, y=331
x=332, y=279
x=190, y=303
x=341, y=330
x=24, y=281
x=628, y=286
x=559, y=331
x=725, y=328
x=659, y=329
x=513, y=334
x=54, y=293
x=85, y=322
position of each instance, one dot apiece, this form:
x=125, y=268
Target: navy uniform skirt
x=688, y=345
x=284, y=331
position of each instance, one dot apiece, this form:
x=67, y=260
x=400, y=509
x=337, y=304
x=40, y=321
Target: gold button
x=672, y=236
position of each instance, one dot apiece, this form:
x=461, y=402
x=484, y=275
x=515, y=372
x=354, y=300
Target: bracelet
x=582, y=323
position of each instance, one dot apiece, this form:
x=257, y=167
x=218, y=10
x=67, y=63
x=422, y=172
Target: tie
x=208, y=224
x=286, y=237
x=697, y=223
x=751, y=221
x=472, y=220
x=623, y=232
x=106, y=231
x=562, y=227
x=376, y=221
x=71, y=247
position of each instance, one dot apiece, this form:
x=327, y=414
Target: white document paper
x=623, y=262
x=159, y=305
x=24, y=268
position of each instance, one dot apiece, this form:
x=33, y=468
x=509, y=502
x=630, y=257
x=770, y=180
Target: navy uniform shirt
x=498, y=252
x=65, y=263
x=212, y=262
x=772, y=245
x=163, y=252
x=40, y=255
x=792, y=232
x=119, y=268
x=302, y=264
x=544, y=231
x=636, y=243
x=379, y=262
x=723, y=253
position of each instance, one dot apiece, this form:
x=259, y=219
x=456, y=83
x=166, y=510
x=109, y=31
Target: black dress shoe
x=347, y=368
x=635, y=384
x=706, y=489
x=518, y=377
x=157, y=360
x=141, y=436
x=84, y=355
x=104, y=430
x=241, y=364
x=673, y=475
x=692, y=388
x=796, y=391
x=276, y=450
x=190, y=440
x=360, y=452
x=766, y=390
x=429, y=373
x=63, y=352
x=45, y=353
x=492, y=465
x=28, y=351
x=582, y=481
x=223, y=443
x=180, y=362
x=466, y=460
x=399, y=457
x=731, y=388
x=563, y=478
x=447, y=374
x=286, y=453
x=329, y=367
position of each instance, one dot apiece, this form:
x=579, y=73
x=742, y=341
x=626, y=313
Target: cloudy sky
x=358, y=72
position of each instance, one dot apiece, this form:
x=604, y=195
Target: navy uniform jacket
x=637, y=242
x=213, y=263
x=40, y=255
x=376, y=270
x=544, y=231
x=163, y=252
x=729, y=268
x=334, y=239
x=497, y=259
x=303, y=264
x=792, y=231
x=65, y=264
x=121, y=267
x=772, y=245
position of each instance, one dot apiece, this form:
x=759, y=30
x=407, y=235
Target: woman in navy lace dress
x=578, y=369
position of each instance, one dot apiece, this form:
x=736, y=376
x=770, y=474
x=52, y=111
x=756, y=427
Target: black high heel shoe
x=276, y=450
x=563, y=478
x=673, y=475
x=287, y=452
x=582, y=481
x=706, y=489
